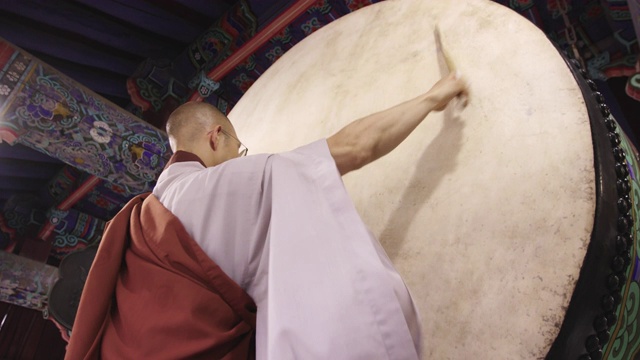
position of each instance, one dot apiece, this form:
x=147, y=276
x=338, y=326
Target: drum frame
x=601, y=291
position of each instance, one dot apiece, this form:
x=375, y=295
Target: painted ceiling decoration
x=49, y=112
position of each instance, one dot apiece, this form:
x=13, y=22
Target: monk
x=261, y=256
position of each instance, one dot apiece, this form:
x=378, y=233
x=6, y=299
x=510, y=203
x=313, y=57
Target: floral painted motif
x=13, y=76
x=243, y=82
x=4, y=90
x=273, y=55
x=284, y=35
x=20, y=66
x=101, y=132
x=311, y=26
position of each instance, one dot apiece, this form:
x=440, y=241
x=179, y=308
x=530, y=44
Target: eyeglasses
x=242, y=150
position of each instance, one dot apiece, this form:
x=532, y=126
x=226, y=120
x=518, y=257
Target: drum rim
x=67, y=276
x=592, y=308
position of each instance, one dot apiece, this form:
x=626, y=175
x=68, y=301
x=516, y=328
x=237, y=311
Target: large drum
x=504, y=219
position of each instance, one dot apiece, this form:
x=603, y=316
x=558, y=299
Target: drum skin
x=488, y=211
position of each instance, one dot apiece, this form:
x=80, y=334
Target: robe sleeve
x=323, y=290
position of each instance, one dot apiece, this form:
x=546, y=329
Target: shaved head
x=187, y=124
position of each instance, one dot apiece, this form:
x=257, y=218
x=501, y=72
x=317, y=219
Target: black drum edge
x=591, y=314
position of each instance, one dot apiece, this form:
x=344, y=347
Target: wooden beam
x=256, y=42
x=147, y=17
x=23, y=35
x=91, y=27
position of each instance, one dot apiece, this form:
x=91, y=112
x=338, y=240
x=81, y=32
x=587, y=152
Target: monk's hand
x=449, y=87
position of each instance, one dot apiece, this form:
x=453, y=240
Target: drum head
x=486, y=212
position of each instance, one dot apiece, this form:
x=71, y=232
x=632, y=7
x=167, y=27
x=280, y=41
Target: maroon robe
x=152, y=293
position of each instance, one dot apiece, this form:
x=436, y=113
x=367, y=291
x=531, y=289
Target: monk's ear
x=214, y=137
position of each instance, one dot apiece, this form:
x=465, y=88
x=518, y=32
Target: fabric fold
x=153, y=293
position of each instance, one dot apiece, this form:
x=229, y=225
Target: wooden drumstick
x=451, y=67
x=444, y=55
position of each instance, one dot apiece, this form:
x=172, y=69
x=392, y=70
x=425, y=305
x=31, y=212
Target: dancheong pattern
x=45, y=110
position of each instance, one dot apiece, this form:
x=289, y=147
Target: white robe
x=283, y=227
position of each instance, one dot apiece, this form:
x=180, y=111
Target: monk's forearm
x=367, y=139
x=387, y=129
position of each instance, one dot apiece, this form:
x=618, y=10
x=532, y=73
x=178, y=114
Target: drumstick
x=443, y=52
x=448, y=61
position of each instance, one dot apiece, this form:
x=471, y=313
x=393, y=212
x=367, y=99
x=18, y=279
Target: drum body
x=488, y=212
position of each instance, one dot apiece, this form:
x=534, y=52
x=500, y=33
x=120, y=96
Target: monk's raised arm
x=371, y=137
